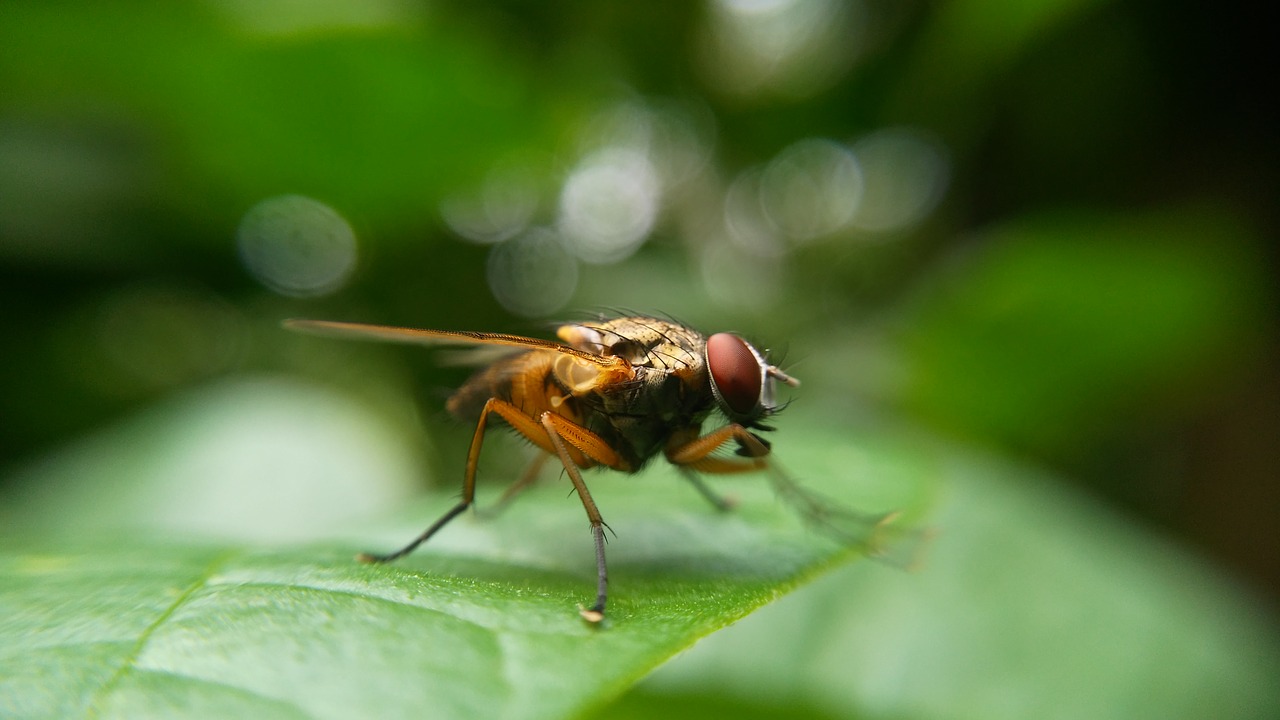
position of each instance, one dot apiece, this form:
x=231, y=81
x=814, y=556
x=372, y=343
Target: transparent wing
x=388, y=333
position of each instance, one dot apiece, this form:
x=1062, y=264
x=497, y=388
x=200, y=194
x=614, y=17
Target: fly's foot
x=595, y=615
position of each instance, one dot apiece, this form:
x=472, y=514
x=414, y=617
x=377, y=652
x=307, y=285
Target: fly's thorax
x=638, y=417
x=642, y=341
x=669, y=389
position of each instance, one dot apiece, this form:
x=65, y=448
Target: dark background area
x=1086, y=282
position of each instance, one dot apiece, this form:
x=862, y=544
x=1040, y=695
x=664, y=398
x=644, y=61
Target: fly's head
x=742, y=380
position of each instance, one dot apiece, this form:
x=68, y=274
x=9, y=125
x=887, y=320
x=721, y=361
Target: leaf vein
x=130, y=660
x=372, y=596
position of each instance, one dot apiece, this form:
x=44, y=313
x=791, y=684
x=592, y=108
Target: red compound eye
x=735, y=372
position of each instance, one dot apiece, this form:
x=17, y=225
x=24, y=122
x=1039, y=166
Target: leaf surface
x=481, y=622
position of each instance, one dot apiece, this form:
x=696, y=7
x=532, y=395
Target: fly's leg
x=718, y=501
x=558, y=430
x=456, y=510
x=876, y=534
x=692, y=453
x=523, y=424
x=695, y=453
x=575, y=446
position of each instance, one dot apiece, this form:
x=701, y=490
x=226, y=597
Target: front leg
x=688, y=450
x=691, y=452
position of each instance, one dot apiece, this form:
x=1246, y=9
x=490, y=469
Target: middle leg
x=558, y=428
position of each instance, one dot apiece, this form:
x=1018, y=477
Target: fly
x=613, y=394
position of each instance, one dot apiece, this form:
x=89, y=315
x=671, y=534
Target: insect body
x=614, y=394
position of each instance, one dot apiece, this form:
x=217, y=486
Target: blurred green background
x=1043, y=229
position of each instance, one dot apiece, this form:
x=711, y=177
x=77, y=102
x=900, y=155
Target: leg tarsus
x=426, y=535
x=877, y=534
x=718, y=501
x=596, y=613
x=468, y=488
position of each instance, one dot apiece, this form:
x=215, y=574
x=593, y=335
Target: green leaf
x=1034, y=602
x=481, y=622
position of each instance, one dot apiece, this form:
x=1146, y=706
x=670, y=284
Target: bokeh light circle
x=609, y=204
x=297, y=246
x=812, y=188
x=906, y=173
x=532, y=274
